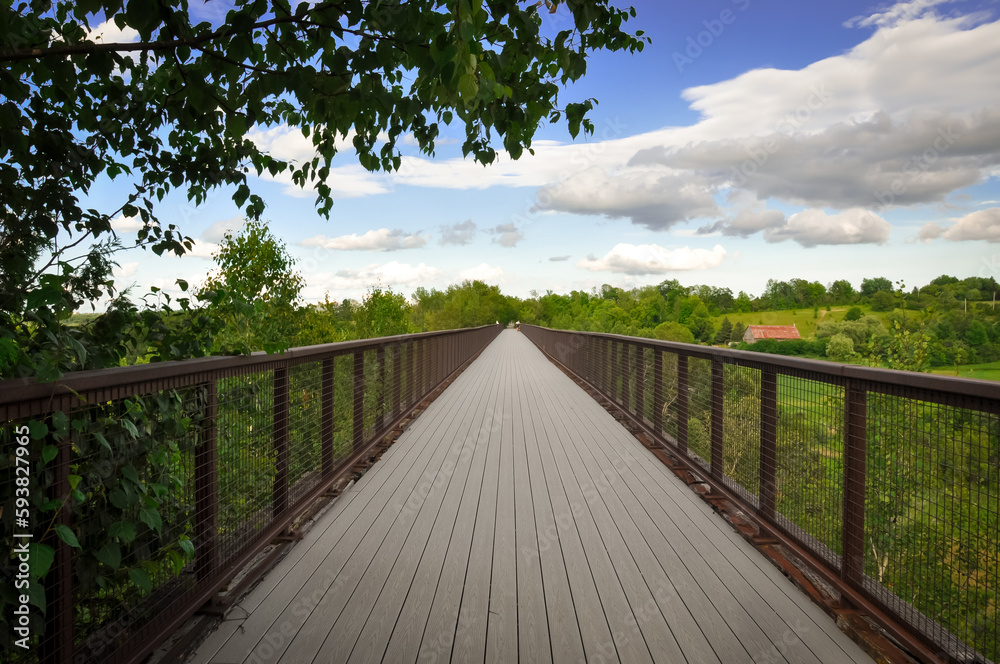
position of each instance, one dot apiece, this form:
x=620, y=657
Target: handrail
x=173, y=476
x=887, y=482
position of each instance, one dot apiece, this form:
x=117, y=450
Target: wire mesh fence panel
x=932, y=517
x=247, y=460
x=810, y=463
x=305, y=422
x=741, y=434
x=666, y=397
x=699, y=402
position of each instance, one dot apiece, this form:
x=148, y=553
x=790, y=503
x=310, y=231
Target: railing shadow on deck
x=887, y=481
x=144, y=490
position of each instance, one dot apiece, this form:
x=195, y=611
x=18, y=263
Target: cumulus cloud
x=124, y=224
x=482, y=272
x=217, y=231
x=460, y=233
x=392, y=274
x=901, y=11
x=815, y=227
x=125, y=270
x=978, y=225
x=382, y=239
x=507, y=235
x=203, y=249
x=651, y=197
x=645, y=259
x=746, y=222
x=109, y=33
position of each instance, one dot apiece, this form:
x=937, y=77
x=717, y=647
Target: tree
x=673, y=332
x=258, y=290
x=875, y=285
x=883, y=301
x=840, y=348
x=175, y=111
x=841, y=292
x=725, y=332
x=738, y=331
x=854, y=313
x=382, y=313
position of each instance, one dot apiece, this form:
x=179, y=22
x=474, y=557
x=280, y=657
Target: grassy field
x=987, y=371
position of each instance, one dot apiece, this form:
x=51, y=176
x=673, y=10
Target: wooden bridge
x=517, y=521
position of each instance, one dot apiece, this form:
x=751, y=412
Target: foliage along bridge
x=515, y=519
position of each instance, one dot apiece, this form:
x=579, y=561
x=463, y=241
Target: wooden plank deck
x=517, y=521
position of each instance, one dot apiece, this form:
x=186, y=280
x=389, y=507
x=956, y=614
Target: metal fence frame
x=426, y=360
x=609, y=364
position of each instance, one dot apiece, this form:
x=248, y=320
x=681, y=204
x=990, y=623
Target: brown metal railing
x=172, y=477
x=888, y=482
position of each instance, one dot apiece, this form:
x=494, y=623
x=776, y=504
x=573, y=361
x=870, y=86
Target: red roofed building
x=755, y=333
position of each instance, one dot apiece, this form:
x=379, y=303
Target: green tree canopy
x=172, y=110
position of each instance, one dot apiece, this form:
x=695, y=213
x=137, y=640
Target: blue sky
x=751, y=140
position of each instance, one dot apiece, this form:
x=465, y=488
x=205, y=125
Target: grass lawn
x=987, y=371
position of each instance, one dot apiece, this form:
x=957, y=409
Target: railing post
x=58, y=646
x=358, y=429
x=658, y=396
x=682, y=403
x=640, y=383
x=206, y=461
x=604, y=345
x=381, y=393
x=326, y=425
x=411, y=375
x=718, y=395
x=280, y=494
x=855, y=450
x=626, y=364
x=397, y=379
x=615, y=370
x=768, y=442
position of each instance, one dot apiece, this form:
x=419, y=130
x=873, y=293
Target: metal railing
x=148, y=488
x=889, y=481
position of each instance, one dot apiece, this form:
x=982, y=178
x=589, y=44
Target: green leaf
x=66, y=535
x=151, y=518
x=37, y=429
x=60, y=421
x=36, y=595
x=49, y=452
x=74, y=481
x=110, y=555
x=129, y=473
x=40, y=559
x=187, y=546
x=141, y=579
x=123, y=530
x=130, y=427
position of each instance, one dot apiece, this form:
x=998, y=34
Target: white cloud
x=392, y=274
x=643, y=259
x=124, y=224
x=483, y=272
x=978, y=225
x=382, y=239
x=507, y=235
x=109, y=33
x=461, y=233
x=815, y=227
x=653, y=197
x=895, y=14
x=125, y=270
x=217, y=231
x=203, y=249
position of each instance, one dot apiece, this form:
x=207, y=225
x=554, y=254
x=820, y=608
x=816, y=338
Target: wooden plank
x=386, y=534
x=269, y=635
x=545, y=552
x=438, y=635
x=598, y=640
x=534, y=644
x=470, y=635
x=404, y=603
x=720, y=564
x=502, y=619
